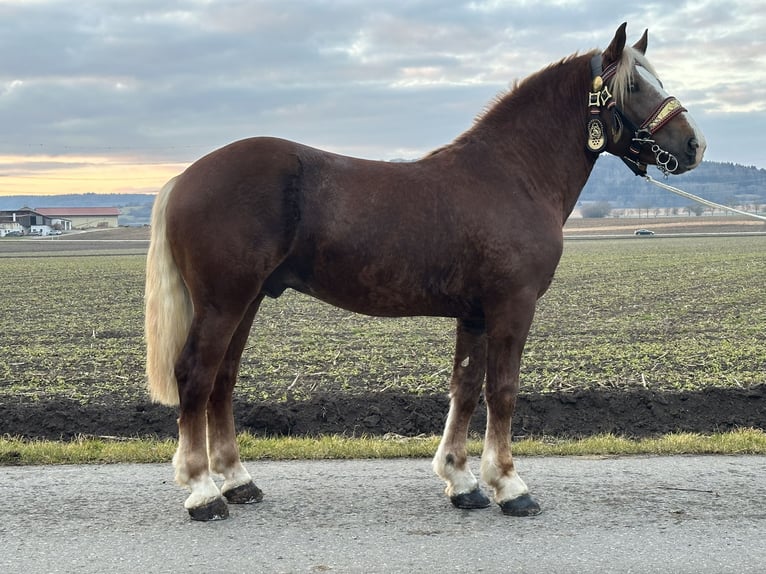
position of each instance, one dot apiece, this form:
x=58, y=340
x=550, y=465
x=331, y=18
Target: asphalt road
x=635, y=514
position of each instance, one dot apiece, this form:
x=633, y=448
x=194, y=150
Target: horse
x=472, y=231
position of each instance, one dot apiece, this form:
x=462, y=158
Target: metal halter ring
x=666, y=161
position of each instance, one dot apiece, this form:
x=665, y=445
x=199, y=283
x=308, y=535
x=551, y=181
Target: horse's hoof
x=523, y=505
x=469, y=500
x=246, y=493
x=215, y=510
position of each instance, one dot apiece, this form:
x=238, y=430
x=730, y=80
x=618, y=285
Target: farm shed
x=41, y=220
x=81, y=217
x=26, y=221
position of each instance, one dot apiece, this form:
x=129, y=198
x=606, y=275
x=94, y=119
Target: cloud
x=168, y=80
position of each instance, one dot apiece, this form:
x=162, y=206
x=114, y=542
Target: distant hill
x=725, y=183
x=611, y=181
x=76, y=200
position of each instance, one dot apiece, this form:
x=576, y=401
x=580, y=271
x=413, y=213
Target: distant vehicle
x=14, y=234
x=55, y=232
x=643, y=232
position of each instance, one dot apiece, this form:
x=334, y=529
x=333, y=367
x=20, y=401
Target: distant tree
x=598, y=209
x=644, y=205
x=696, y=209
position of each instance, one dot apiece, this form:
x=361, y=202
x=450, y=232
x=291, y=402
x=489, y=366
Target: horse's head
x=645, y=125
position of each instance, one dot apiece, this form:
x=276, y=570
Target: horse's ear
x=642, y=43
x=614, y=51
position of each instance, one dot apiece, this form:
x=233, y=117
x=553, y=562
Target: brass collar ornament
x=599, y=97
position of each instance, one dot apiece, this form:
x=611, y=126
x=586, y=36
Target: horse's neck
x=540, y=127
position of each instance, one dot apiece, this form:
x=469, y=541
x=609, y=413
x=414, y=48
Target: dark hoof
x=246, y=493
x=215, y=510
x=469, y=500
x=524, y=505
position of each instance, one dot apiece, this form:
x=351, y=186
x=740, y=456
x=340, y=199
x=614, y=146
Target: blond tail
x=168, y=308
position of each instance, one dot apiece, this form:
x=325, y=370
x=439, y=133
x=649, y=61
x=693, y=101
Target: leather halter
x=600, y=97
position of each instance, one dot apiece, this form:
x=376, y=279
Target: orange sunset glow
x=57, y=175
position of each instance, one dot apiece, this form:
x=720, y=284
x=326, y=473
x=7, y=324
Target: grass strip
x=105, y=450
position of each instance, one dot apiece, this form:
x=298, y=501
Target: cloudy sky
x=120, y=95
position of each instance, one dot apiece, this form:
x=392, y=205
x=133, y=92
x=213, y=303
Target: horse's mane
x=506, y=97
x=497, y=108
x=620, y=84
x=503, y=101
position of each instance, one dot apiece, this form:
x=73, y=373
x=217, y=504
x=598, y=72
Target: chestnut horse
x=472, y=231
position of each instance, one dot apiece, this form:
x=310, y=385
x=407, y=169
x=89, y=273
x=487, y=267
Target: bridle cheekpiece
x=600, y=97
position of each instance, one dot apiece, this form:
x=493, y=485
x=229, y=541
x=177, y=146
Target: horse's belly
x=378, y=291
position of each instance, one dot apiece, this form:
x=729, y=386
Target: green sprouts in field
x=662, y=314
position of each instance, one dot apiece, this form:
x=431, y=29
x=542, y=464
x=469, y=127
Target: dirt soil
x=637, y=413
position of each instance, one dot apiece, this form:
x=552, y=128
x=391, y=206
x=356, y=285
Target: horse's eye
x=632, y=88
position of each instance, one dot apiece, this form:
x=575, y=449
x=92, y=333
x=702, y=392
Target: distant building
x=42, y=220
x=81, y=217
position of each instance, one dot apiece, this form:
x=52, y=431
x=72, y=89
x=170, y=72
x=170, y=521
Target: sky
x=104, y=96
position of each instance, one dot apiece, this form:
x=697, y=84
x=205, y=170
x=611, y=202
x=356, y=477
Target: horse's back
x=268, y=186
x=376, y=237
x=256, y=176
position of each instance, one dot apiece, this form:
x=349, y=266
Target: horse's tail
x=168, y=308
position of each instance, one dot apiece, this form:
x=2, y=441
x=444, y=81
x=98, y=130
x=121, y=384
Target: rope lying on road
x=693, y=197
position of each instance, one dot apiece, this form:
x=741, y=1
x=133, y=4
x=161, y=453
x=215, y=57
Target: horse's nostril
x=693, y=145
x=691, y=149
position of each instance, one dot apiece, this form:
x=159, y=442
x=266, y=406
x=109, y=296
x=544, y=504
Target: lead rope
x=693, y=197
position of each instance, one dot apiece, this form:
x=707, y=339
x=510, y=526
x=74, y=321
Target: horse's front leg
x=506, y=338
x=451, y=459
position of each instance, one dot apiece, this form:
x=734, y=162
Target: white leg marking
x=179, y=464
x=459, y=481
x=234, y=475
x=203, y=491
x=237, y=476
x=506, y=486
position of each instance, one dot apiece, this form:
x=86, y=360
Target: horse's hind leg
x=451, y=459
x=223, y=452
x=196, y=370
